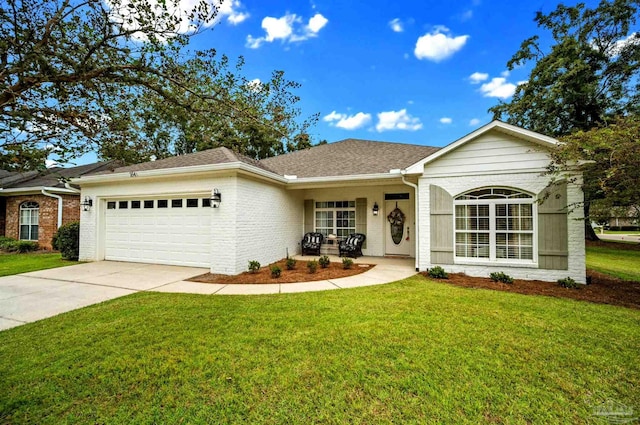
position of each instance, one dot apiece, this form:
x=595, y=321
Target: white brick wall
x=531, y=182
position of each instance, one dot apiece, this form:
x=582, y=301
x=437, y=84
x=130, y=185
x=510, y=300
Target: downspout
x=59, y=198
x=416, y=215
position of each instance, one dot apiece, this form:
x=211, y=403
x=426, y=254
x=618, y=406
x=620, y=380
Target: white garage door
x=160, y=231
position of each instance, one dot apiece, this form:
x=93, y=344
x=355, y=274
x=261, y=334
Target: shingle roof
x=348, y=157
x=220, y=155
x=53, y=177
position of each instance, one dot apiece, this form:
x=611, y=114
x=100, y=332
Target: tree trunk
x=589, y=233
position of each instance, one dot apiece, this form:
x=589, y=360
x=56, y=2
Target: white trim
x=36, y=189
x=541, y=139
x=46, y=192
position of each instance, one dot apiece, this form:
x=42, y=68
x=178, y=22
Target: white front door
x=399, y=231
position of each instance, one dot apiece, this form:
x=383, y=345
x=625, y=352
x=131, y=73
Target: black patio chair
x=311, y=243
x=352, y=246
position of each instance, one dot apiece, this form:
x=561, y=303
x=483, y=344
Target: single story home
x=478, y=205
x=34, y=204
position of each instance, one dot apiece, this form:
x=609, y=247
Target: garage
x=174, y=231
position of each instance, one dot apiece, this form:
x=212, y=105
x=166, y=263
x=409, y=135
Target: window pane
x=176, y=203
x=34, y=233
x=135, y=204
x=24, y=232
x=192, y=202
x=526, y=210
x=148, y=204
x=163, y=203
x=111, y=205
x=34, y=216
x=206, y=202
x=123, y=205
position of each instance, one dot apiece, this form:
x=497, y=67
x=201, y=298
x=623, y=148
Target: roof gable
x=497, y=126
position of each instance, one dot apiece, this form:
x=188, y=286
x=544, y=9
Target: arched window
x=495, y=224
x=29, y=212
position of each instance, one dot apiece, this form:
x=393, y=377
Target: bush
x=501, y=277
x=312, y=266
x=437, y=272
x=67, y=240
x=324, y=261
x=275, y=272
x=291, y=263
x=26, y=246
x=568, y=282
x=347, y=263
x=254, y=266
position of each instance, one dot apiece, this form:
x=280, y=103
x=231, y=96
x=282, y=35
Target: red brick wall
x=48, y=218
x=3, y=211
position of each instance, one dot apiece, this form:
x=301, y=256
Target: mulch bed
x=299, y=274
x=603, y=289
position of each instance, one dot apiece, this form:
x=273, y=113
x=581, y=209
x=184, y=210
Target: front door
x=399, y=232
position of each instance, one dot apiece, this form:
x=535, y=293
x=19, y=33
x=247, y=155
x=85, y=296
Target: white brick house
x=474, y=206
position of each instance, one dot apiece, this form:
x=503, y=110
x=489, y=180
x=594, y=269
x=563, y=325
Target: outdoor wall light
x=375, y=208
x=216, y=198
x=87, y=203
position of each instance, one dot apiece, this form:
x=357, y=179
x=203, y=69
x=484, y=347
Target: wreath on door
x=396, y=218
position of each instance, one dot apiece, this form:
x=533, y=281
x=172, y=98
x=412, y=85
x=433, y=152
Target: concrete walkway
x=37, y=295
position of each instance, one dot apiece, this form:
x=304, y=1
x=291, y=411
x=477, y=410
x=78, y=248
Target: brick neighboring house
x=34, y=204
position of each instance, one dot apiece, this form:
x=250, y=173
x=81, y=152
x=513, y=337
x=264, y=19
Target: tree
x=77, y=75
x=257, y=119
x=586, y=77
x=613, y=174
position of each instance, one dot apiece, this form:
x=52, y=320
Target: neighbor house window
x=29, y=212
x=495, y=224
x=336, y=217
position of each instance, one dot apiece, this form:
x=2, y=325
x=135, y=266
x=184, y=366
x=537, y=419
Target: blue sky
x=421, y=72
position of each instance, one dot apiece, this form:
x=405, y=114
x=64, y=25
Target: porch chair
x=311, y=243
x=352, y=246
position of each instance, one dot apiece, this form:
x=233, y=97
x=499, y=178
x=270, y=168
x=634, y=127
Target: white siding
x=531, y=182
x=493, y=152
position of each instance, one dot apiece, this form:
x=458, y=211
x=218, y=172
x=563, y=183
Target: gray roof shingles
x=220, y=155
x=52, y=177
x=348, y=157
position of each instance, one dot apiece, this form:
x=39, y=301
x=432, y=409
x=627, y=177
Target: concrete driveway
x=37, y=295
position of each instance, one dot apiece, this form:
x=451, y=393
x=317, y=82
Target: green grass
x=621, y=232
x=414, y=351
x=22, y=263
x=621, y=263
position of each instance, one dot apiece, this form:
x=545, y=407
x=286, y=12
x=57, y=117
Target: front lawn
x=29, y=262
x=615, y=259
x=414, y=351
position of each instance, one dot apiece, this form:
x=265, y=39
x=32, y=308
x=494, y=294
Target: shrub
x=312, y=266
x=568, y=282
x=501, y=277
x=324, y=261
x=347, y=263
x=437, y=272
x=254, y=266
x=291, y=263
x=26, y=246
x=275, y=272
x=67, y=240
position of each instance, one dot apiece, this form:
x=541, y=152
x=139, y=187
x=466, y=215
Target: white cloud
x=397, y=120
x=348, y=122
x=255, y=85
x=171, y=17
x=316, y=23
x=50, y=163
x=474, y=121
x=396, y=25
x=498, y=87
x=289, y=28
x=445, y=120
x=229, y=9
x=478, y=77
x=466, y=15
x=439, y=45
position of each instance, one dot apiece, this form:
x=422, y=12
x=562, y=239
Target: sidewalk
x=386, y=270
